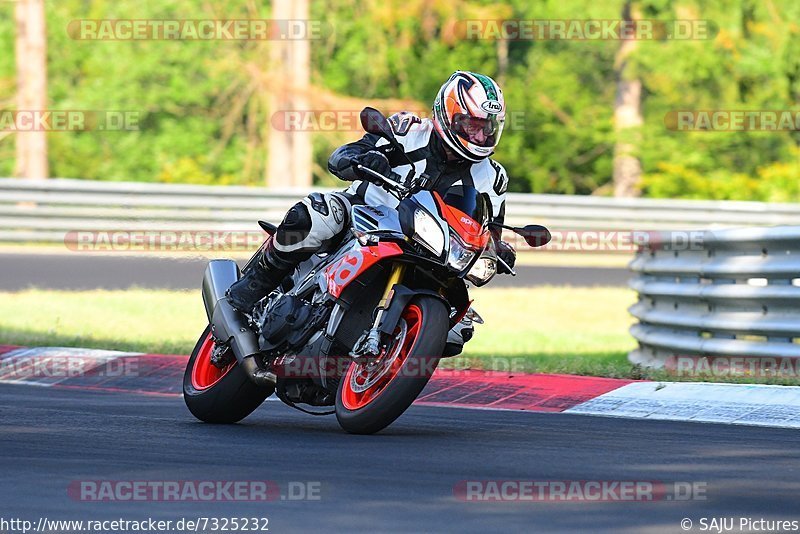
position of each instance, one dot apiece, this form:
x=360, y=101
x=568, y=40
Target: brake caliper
x=222, y=355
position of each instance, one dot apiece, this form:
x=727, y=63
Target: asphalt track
x=400, y=480
x=86, y=271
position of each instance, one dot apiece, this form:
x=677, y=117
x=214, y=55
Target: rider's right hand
x=375, y=161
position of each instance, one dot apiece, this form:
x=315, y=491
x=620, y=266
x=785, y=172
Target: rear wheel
x=216, y=395
x=373, y=394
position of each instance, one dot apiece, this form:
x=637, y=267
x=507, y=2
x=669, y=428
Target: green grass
x=552, y=330
x=565, y=330
x=544, y=329
x=140, y=320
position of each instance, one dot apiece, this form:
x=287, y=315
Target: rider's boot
x=263, y=277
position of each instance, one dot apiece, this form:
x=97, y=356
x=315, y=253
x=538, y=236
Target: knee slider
x=296, y=225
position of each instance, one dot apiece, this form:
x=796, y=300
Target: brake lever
x=399, y=188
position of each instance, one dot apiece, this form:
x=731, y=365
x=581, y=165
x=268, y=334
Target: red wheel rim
x=204, y=373
x=361, y=383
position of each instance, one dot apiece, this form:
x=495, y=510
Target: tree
x=31, y=54
x=289, y=161
x=627, y=118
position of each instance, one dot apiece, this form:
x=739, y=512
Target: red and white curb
x=744, y=404
x=92, y=369
x=161, y=374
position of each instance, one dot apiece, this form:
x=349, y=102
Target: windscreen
x=468, y=200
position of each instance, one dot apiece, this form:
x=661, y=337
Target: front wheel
x=216, y=395
x=373, y=394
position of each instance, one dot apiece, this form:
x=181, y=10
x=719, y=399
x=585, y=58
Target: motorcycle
x=362, y=328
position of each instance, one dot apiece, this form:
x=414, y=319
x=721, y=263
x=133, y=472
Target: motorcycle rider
x=451, y=149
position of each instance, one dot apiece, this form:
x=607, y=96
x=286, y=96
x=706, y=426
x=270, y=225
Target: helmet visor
x=481, y=132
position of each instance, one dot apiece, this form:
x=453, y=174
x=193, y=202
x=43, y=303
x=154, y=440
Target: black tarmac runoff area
x=409, y=478
x=87, y=271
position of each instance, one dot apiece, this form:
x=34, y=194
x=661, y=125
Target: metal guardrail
x=43, y=211
x=735, y=293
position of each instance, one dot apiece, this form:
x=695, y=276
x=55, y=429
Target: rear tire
x=366, y=410
x=218, y=396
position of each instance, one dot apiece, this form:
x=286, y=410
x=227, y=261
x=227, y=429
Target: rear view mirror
x=374, y=122
x=535, y=235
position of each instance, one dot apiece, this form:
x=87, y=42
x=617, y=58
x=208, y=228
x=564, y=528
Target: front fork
x=369, y=344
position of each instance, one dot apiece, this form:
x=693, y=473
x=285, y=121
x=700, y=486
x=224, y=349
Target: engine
x=288, y=322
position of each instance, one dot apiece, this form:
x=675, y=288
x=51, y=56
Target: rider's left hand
x=507, y=253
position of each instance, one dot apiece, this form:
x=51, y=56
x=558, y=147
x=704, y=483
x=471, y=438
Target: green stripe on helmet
x=488, y=85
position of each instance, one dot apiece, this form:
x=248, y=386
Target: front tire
x=216, y=395
x=368, y=401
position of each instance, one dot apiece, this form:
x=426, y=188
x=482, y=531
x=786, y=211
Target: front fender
x=401, y=296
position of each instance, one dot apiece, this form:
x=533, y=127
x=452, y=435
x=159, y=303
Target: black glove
x=374, y=160
x=507, y=253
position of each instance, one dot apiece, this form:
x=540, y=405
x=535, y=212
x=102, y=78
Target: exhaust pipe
x=229, y=325
x=219, y=276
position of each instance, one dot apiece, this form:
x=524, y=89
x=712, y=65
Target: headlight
x=460, y=255
x=428, y=232
x=483, y=271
